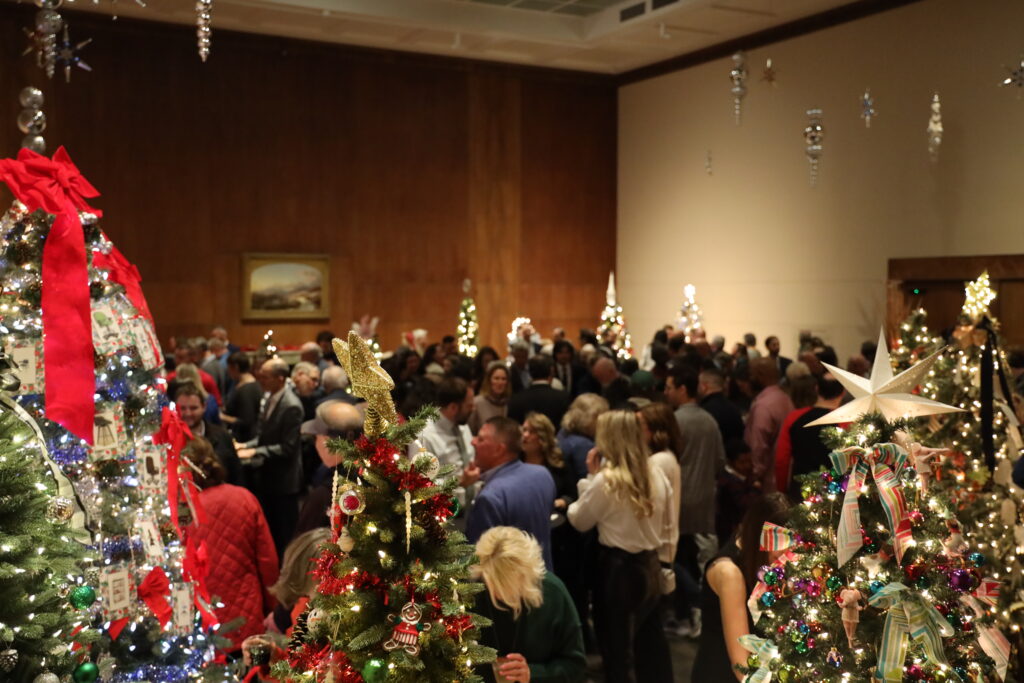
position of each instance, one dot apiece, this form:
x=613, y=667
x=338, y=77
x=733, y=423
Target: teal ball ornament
x=82, y=597
x=977, y=559
x=834, y=582
x=374, y=671
x=768, y=599
x=86, y=672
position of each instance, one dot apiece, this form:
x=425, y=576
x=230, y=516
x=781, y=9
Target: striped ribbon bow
x=991, y=639
x=908, y=617
x=885, y=462
x=765, y=651
x=773, y=538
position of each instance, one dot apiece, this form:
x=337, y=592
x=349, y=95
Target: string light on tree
x=612, y=329
x=468, y=329
x=979, y=295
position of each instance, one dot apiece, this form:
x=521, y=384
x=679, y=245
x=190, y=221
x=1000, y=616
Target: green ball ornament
x=801, y=647
x=834, y=582
x=771, y=578
x=753, y=661
x=796, y=636
x=923, y=581
x=82, y=597
x=455, y=507
x=807, y=490
x=86, y=672
x=374, y=671
x=785, y=673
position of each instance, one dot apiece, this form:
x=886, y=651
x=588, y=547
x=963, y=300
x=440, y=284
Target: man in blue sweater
x=514, y=493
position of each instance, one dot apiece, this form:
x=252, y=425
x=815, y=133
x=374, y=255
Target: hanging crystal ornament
x=68, y=54
x=770, y=73
x=867, y=107
x=935, y=129
x=814, y=134
x=204, y=9
x=48, y=23
x=31, y=119
x=1016, y=77
x=738, y=76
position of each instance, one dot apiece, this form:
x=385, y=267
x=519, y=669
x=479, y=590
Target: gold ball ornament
x=8, y=660
x=61, y=509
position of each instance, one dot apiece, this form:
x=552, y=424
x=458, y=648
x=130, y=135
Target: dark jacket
x=224, y=447
x=279, y=448
x=539, y=398
x=727, y=415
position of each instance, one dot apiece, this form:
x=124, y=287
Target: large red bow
x=58, y=187
x=175, y=434
x=154, y=591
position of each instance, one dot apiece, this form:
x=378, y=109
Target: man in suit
x=191, y=405
x=276, y=453
x=540, y=396
x=781, y=362
x=449, y=438
x=514, y=493
x=711, y=389
x=306, y=380
x=567, y=370
x=334, y=382
x=518, y=371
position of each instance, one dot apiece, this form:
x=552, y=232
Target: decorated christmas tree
x=691, y=317
x=875, y=580
x=468, y=329
x=612, y=329
x=393, y=589
x=77, y=327
x=983, y=438
x=41, y=556
x=914, y=341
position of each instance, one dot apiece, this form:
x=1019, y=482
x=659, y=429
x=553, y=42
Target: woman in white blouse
x=628, y=499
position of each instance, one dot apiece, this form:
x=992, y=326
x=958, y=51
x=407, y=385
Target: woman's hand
x=593, y=461
x=516, y=668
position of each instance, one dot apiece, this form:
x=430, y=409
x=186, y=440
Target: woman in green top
x=536, y=630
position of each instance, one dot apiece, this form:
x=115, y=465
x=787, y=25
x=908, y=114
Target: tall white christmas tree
x=613, y=324
x=691, y=317
x=468, y=331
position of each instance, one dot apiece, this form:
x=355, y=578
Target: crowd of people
x=615, y=503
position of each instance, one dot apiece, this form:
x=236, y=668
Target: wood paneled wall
x=412, y=172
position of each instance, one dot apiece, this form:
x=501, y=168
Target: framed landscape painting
x=279, y=286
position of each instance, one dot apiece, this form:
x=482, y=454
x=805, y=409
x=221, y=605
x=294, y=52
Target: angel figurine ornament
x=851, y=601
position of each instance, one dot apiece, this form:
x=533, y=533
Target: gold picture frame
x=286, y=286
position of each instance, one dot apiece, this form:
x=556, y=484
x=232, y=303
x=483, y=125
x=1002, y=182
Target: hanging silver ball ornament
x=46, y=677
x=48, y=21
x=49, y=4
x=8, y=660
x=32, y=121
x=61, y=509
x=31, y=98
x=36, y=143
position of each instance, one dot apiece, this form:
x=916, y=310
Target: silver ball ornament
x=49, y=4
x=31, y=121
x=46, y=677
x=48, y=21
x=31, y=98
x=36, y=143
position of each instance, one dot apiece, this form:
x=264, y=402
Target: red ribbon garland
x=154, y=591
x=58, y=187
x=123, y=272
x=175, y=434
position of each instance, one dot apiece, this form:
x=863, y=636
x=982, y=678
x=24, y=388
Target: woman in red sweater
x=242, y=558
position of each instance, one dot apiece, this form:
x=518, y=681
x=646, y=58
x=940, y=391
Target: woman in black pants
x=628, y=500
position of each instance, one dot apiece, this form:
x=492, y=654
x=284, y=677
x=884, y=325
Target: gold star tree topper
x=369, y=381
x=883, y=393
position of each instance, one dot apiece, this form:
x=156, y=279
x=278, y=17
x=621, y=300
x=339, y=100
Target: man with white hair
x=310, y=352
x=306, y=380
x=334, y=383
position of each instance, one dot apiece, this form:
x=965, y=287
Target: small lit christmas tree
x=468, y=330
x=393, y=584
x=875, y=580
x=41, y=557
x=268, y=349
x=914, y=341
x=76, y=324
x=613, y=324
x=691, y=317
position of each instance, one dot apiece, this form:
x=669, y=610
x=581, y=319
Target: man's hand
x=593, y=461
x=246, y=453
x=516, y=668
x=470, y=475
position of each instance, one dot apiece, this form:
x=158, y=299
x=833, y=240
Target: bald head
x=342, y=420
x=333, y=378
x=604, y=371
x=273, y=374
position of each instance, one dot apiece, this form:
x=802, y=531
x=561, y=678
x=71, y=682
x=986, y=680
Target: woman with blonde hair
x=534, y=626
x=492, y=399
x=579, y=424
x=540, y=447
x=628, y=499
x=661, y=432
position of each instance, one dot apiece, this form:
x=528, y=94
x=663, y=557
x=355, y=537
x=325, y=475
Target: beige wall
x=767, y=252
